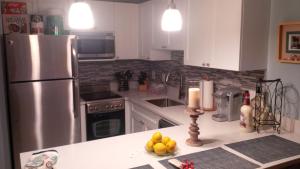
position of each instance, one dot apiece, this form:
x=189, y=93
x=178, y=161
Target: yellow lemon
x=165, y=140
x=160, y=149
x=156, y=137
x=149, y=146
x=171, y=146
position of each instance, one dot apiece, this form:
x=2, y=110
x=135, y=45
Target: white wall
x=281, y=11
x=5, y=162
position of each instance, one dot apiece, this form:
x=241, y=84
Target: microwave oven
x=95, y=46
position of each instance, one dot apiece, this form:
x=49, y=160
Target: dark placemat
x=217, y=158
x=267, y=149
x=143, y=167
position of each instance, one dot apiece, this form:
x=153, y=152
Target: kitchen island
x=128, y=151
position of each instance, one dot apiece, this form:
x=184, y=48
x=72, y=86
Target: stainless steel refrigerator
x=43, y=92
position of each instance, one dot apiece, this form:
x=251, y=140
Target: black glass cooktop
x=99, y=96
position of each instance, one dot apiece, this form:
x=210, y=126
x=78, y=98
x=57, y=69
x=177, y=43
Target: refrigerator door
x=39, y=57
x=44, y=114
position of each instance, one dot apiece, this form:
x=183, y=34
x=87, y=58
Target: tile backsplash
x=101, y=73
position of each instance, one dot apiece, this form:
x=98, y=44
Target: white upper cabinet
x=200, y=33
x=229, y=34
x=104, y=16
x=166, y=40
x=127, y=30
x=177, y=40
x=145, y=13
x=160, y=37
x=147, y=49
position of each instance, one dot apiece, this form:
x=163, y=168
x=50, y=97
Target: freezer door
x=39, y=57
x=44, y=114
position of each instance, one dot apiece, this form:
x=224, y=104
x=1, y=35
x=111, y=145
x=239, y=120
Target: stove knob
x=107, y=107
x=111, y=106
x=116, y=106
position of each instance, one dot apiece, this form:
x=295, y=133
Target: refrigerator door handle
x=74, y=57
x=76, y=98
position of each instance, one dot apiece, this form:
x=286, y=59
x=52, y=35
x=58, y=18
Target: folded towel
x=42, y=160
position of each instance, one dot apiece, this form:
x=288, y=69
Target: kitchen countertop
x=129, y=150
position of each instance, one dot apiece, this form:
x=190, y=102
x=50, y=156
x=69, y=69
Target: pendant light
x=81, y=16
x=171, y=19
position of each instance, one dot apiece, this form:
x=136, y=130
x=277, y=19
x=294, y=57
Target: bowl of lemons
x=161, y=145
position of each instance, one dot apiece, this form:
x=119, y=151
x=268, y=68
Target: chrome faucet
x=165, y=77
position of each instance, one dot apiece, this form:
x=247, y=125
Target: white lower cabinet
x=83, y=122
x=127, y=117
x=143, y=119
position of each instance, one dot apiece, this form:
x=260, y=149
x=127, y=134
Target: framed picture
x=289, y=42
x=293, y=42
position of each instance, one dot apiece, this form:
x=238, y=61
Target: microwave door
x=95, y=48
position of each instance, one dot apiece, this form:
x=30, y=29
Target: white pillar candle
x=194, y=95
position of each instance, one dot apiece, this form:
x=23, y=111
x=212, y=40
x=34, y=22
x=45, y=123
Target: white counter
x=128, y=150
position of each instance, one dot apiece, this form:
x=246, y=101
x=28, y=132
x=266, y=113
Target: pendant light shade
x=81, y=16
x=171, y=19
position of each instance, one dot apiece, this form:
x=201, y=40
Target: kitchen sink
x=164, y=102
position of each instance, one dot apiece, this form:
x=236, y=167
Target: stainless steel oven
x=105, y=118
x=95, y=46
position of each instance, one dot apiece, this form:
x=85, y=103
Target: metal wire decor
x=268, y=104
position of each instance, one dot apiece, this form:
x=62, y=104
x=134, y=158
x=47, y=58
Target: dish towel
x=42, y=160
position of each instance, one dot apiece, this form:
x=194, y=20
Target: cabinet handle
x=164, y=47
x=141, y=122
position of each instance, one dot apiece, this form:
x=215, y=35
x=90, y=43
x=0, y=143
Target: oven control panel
x=106, y=106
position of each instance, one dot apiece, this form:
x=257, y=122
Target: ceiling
x=127, y=1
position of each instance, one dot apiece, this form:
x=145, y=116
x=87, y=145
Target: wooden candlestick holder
x=194, y=140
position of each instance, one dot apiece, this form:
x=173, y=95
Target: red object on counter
x=187, y=165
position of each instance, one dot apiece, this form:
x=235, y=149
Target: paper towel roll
x=207, y=93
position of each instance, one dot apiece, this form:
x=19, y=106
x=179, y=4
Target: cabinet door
x=177, y=40
x=145, y=29
x=160, y=37
x=104, y=15
x=227, y=34
x=199, y=32
x=127, y=30
x=137, y=125
x=127, y=117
